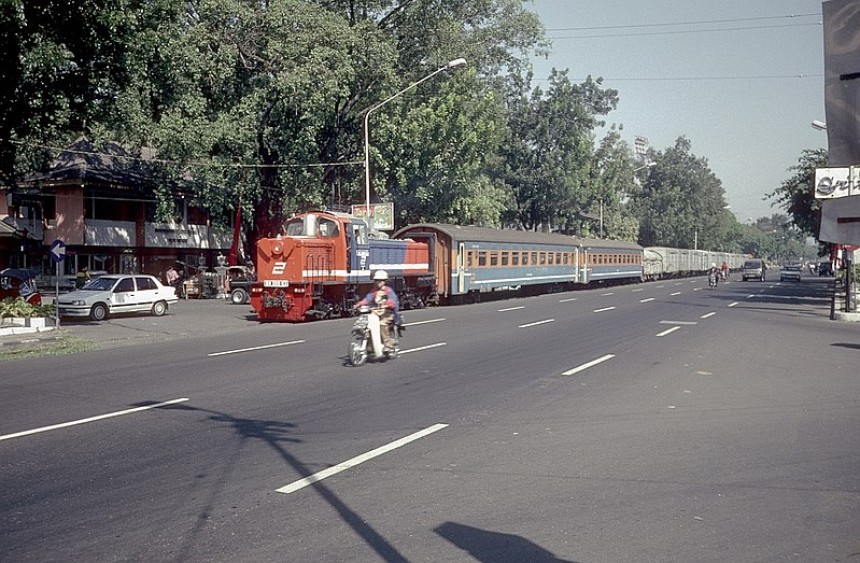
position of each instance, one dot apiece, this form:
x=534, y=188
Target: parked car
x=754, y=269
x=16, y=283
x=790, y=272
x=825, y=269
x=112, y=294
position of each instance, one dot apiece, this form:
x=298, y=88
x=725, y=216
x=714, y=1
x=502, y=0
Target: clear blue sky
x=743, y=85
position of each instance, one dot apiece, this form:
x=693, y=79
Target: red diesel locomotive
x=322, y=262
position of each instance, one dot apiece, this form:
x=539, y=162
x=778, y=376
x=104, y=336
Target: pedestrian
x=82, y=277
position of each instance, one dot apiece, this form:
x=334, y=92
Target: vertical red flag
x=236, y=247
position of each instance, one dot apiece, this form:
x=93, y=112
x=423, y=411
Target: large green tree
x=682, y=202
x=549, y=151
x=796, y=195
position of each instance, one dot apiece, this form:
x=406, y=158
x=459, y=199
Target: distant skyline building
x=640, y=147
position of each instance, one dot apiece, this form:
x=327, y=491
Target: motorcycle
x=712, y=280
x=362, y=338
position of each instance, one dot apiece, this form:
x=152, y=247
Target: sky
x=742, y=80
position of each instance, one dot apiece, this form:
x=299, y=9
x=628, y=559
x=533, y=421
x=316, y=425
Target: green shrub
x=17, y=307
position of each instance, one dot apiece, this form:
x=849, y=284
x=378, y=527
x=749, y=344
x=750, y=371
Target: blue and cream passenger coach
x=469, y=261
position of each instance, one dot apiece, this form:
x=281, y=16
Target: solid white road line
x=604, y=309
x=679, y=322
x=646, y=300
x=255, y=348
x=567, y=300
x=319, y=476
x=431, y=346
x=511, y=309
x=592, y=363
x=669, y=331
x=416, y=323
x=537, y=323
x=92, y=419
x=708, y=315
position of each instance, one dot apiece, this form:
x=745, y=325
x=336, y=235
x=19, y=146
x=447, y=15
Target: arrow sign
x=58, y=251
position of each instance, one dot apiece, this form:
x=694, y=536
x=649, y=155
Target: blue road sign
x=58, y=250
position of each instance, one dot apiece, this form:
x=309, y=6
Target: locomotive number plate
x=276, y=283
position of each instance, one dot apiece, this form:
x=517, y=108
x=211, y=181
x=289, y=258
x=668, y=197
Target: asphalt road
x=655, y=422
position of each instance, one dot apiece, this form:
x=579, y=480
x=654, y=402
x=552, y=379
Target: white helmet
x=380, y=275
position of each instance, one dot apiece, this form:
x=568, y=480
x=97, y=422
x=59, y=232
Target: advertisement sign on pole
x=381, y=213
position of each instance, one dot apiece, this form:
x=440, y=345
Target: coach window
x=533, y=260
x=482, y=258
x=505, y=258
x=494, y=259
x=515, y=258
x=549, y=258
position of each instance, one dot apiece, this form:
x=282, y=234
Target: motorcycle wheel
x=357, y=353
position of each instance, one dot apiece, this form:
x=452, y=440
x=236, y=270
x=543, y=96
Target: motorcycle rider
x=385, y=307
x=713, y=275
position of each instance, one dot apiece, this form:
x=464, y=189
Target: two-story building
x=100, y=202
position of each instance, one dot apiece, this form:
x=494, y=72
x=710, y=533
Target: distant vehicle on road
x=239, y=280
x=790, y=272
x=109, y=295
x=754, y=269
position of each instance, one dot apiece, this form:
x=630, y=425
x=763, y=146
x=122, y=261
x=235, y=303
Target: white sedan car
x=112, y=294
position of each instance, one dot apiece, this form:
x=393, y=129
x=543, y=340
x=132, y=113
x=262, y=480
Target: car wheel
x=238, y=296
x=159, y=308
x=99, y=312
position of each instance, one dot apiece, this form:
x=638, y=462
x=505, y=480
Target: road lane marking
x=669, y=331
x=607, y=294
x=511, y=309
x=679, y=322
x=255, y=348
x=708, y=315
x=537, y=323
x=416, y=323
x=646, y=300
x=357, y=460
x=640, y=289
x=587, y=365
x=676, y=293
x=92, y=419
x=697, y=289
x=733, y=304
x=420, y=348
x=567, y=300
x=604, y=309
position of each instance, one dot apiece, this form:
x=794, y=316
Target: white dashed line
x=604, y=309
x=511, y=309
x=319, y=476
x=669, y=331
x=92, y=419
x=255, y=348
x=537, y=323
x=708, y=315
x=646, y=300
x=592, y=363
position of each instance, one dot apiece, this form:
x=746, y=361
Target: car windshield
x=752, y=265
x=100, y=284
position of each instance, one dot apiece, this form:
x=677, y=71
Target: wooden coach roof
x=486, y=234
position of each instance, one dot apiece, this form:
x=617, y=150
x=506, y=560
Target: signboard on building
x=381, y=215
x=837, y=182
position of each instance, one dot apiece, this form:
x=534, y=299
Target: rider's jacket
x=385, y=299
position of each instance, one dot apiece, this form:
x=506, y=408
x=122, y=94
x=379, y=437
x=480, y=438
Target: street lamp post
x=450, y=65
x=635, y=170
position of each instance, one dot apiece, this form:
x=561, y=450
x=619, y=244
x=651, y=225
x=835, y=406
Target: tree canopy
x=243, y=103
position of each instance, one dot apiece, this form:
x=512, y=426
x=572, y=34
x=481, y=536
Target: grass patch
x=60, y=346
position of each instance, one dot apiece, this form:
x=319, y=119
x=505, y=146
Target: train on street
x=322, y=262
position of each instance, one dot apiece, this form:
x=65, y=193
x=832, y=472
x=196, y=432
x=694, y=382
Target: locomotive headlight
x=277, y=249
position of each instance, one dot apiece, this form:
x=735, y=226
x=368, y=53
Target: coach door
x=583, y=271
x=461, y=267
